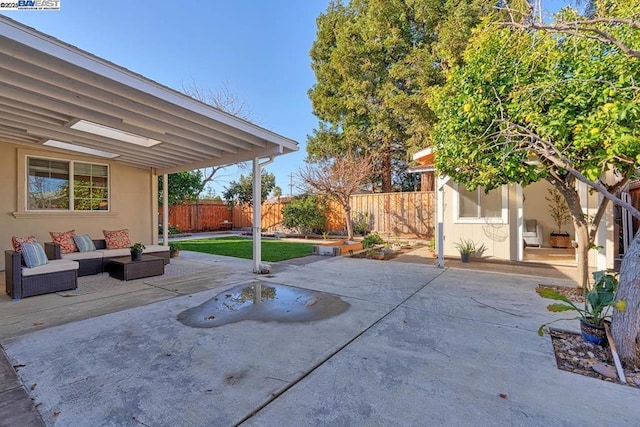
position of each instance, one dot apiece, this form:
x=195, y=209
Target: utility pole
x=291, y=184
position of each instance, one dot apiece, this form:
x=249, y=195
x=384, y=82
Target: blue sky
x=260, y=50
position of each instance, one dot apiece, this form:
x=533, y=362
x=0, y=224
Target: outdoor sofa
x=55, y=276
x=94, y=262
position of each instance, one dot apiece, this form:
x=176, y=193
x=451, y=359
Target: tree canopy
x=183, y=187
x=241, y=191
x=374, y=62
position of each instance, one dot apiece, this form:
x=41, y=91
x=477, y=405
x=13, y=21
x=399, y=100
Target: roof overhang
x=420, y=169
x=47, y=87
x=425, y=159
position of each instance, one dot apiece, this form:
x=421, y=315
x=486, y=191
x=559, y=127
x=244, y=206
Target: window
x=67, y=185
x=478, y=205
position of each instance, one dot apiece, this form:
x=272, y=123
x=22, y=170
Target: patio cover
x=47, y=86
x=54, y=93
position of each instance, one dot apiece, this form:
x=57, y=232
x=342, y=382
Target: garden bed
x=575, y=355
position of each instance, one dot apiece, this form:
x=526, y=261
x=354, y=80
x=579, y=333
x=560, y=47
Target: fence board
x=408, y=214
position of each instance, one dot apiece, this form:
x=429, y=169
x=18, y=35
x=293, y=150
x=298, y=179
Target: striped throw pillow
x=33, y=254
x=84, y=243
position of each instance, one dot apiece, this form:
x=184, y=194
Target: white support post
x=165, y=209
x=519, y=222
x=440, y=219
x=257, y=214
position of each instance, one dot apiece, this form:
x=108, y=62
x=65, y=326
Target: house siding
x=493, y=238
x=133, y=203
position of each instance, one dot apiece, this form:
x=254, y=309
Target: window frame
x=71, y=209
x=504, y=209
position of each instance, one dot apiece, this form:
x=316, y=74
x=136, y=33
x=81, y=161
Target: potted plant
x=598, y=301
x=136, y=251
x=559, y=211
x=174, y=251
x=466, y=248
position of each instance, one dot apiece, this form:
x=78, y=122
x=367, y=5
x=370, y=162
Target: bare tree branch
x=339, y=178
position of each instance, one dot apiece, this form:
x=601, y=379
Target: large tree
x=374, y=61
x=560, y=105
x=241, y=191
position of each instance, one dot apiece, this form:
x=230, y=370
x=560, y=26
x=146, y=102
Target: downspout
x=257, y=213
x=165, y=209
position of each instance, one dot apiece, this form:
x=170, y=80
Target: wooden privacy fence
x=394, y=213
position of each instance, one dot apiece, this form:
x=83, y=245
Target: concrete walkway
x=417, y=346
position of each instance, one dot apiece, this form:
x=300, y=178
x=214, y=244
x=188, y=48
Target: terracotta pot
x=560, y=240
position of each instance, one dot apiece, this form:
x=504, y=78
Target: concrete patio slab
x=417, y=346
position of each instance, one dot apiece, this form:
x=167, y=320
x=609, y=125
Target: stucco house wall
x=132, y=193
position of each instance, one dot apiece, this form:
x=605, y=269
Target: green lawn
x=242, y=247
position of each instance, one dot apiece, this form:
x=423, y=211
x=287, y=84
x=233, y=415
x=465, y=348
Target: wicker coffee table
x=124, y=268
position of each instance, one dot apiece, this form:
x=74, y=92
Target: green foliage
x=137, y=247
x=241, y=191
x=558, y=208
x=598, y=301
x=308, y=213
x=173, y=230
x=239, y=247
x=465, y=246
x=374, y=61
x=361, y=223
x=519, y=86
x=372, y=239
x=183, y=187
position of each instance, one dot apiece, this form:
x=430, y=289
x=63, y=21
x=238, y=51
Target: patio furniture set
x=60, y=270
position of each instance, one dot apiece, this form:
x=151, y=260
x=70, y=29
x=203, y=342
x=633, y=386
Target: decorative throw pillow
x=117, y=239
x=84, y=243
x=17, y=242
x=33, y=254
x=65, y=240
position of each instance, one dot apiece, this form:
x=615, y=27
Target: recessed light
x=79, y=149
x=109, y=132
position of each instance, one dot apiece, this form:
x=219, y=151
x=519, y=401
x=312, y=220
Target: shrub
x=360, y=222
x=307, y=213
x=371, y=240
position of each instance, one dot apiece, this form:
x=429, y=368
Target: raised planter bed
x=337, y=248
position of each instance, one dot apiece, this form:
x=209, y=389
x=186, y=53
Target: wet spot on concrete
x=264, y=303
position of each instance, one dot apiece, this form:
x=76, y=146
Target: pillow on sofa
x=33, y=254
x=65, y=240
x=17, y=242
x=117, y=239
x=84, y=243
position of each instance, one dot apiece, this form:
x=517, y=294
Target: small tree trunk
x=580, y=224
x=582, y=237
x=347, y=216
x=625, y=325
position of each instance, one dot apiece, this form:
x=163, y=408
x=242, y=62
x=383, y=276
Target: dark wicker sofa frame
x=18, y=286
x=96, y=265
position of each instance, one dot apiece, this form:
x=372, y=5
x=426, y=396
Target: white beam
x=257, y=214
x=165, y=209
